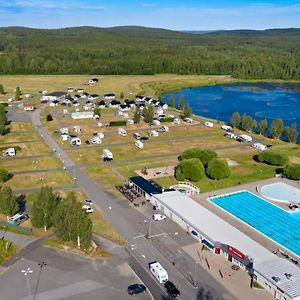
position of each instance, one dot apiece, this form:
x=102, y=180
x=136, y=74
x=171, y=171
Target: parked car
x=188, y=120
x=88, y=209
x=88, y=201
x=137, y=136
x=135, y=289
x=172, y=289
x=18, y=218
x=158, y=217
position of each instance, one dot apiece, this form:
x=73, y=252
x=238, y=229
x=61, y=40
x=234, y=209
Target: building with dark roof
x=144, y=187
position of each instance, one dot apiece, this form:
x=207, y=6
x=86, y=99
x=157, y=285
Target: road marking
x=156, y=235
x=138, y=236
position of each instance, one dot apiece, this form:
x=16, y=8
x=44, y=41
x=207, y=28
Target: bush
x=274, y=158
x=4, y=175
x=117, y=123
x=49, y=118
x=191, y=169
x=217, y=169
x=292, y=171
x=204, y=155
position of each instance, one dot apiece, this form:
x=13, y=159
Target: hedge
x=292, y=171
x=217, y=169
x=274, y=158
x=165, y=120
x=118, y=123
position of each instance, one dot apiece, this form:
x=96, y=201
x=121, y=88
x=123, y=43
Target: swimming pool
x=282, y=192
x=275, y=223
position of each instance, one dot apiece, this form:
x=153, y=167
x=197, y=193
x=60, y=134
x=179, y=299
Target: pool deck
x=252, y=187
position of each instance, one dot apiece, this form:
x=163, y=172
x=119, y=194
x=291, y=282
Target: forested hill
x=138, y=50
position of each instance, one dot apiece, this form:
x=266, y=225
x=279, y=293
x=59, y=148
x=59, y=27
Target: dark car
x=172, y=289
x=144, y=138
x=136, y=289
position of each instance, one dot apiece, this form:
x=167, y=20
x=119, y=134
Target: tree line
x=276, y=130
x=118, y=51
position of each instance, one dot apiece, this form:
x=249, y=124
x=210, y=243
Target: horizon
x=172, y=15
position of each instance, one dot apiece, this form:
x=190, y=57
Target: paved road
x=18, y=239
x=126, y=220
x=58, y=188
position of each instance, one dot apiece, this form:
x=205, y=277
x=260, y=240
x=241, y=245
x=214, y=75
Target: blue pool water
x=270, y=220
x=259, y=100
x=281, y=192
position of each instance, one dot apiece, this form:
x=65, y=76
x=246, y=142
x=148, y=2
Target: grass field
x=7, y=250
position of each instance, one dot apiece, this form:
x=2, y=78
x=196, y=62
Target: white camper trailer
x=65, y=137
x=153, y=133
x=96, y=140
x=9, y=152
x=246, y=138
x=259, y=146
x=164, y=128
x=122, y=132
x=226, y=127
x=75, y=142
x=99, y=135
x=107, y=155
x=64, y=130
x=158, y=272
x=139, y=144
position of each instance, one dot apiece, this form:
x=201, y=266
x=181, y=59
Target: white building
x=53, y=96
x=83, y=115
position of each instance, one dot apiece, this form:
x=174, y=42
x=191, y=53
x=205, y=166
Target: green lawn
x=7, y=250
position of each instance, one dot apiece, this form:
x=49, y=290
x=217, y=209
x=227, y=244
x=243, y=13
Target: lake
x=259, y=100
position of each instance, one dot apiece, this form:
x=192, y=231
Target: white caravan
x=226, y=127
x=153, y=133
x=96, y=140
x=139, y=144
x=9, y=152
x=75, y=142
x=158, y=272
x=122, y=132
x=209, y=124
x=107, y=155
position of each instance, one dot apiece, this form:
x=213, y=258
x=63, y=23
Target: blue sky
x=178, y=15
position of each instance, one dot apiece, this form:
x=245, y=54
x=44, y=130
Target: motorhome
x=99, y=135
x=122, y=132
x=107, y=155
x=65, y=137
x=139, y=144
x=155, y=123
x=246, y=138
x=75, y=141
x=209, y=124
x=9, y=152
x=164, y=128
x=137, y=136
x=230, y=135
x=64, y=130
x=153, y=133
x=158, y=272
x=188, y=120
x=18, y=218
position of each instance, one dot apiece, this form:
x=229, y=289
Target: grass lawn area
x=37, y=180
x=7, y=250
x=43, y=163
x=20, y=137
x=16, y=127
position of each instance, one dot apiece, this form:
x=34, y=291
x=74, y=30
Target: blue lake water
x=259, y=100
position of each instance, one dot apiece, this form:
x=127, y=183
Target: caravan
x=209, y=124
x=75, y=142
x=122, y=132
x=158, y=272
x=139, y=144
x=153, y=133
x=96, y=140
x=9, y=152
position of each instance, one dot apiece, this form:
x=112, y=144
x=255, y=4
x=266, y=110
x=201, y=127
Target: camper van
x=155, y=123
x=9, y=152
x=209, y=124
x=18, y=218
x=153, y=133
x=139, y=144
x=75, y=142
x=158, y=272
x=96, y=140
x=122, y=132
x=137, y=136
x=259, y=146
x=107, y=155
x=226, y=127
x=99, y=135
x=244, y=138
x=188, y=120
x=65, y=137
x=164, y=128
x=64, y=130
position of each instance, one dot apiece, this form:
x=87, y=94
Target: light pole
x=195, y=268
x=148, y=236
x=26, y=274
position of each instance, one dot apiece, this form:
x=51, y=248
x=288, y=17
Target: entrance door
x=229, y=257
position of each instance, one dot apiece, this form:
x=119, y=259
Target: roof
x=280, y=270
x=145, y=185
x=213, y=227
x=56, y=94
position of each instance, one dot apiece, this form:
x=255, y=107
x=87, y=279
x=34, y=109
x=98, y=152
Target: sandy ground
x=152, y=173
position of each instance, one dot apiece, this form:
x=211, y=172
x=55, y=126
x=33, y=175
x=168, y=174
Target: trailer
x=158, y=272
x=107, y=155
x=96, y=140
x=245, y=137
x=75, y=142
x=226, y=127
x=9, y=152
x=209, y=124
x=64, y=130
x=122, y=132
x=65, y=137
x=139, y=144
x=259, y=146
x=153, y=133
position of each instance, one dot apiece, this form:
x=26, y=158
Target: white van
x=188, y=120
x=226, y=127
x=122, y=132
x=245, y=137
x=158, y=217
x=155, y=123
x=259, y=146
x=137, y=136
x=158, y=272
x=107, y=155
x=209, y=124
x=139, y=144
x=75, y=142
x=164, y=128
x=18, y=218
x=9, y=152
x=153, y=133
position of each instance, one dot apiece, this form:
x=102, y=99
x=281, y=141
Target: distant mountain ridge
x=253, y=54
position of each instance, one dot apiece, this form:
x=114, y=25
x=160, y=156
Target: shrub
x=191, y=169
x=217, y=169
x=165, y=120
x=292, y=171
x=117, y=123
x=204, y=155
x=49, y=118
x=4, y=175
x=274, y=158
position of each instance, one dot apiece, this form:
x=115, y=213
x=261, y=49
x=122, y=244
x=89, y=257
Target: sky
x=170, y=14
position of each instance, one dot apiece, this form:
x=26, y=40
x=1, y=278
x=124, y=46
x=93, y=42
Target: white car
x=88, y=209
x=188, y=120
x=158, y=217
x=88, y=201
